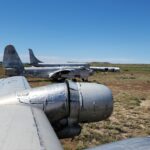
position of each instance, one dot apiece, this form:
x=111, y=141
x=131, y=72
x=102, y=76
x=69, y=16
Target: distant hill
x=100, y=64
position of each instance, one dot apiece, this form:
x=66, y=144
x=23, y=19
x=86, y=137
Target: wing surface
x=13, y=84
x=26, y=128
x=142, y=143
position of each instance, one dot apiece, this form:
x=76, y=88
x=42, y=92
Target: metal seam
x=38, y=131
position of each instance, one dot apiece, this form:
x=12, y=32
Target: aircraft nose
x=96, y=102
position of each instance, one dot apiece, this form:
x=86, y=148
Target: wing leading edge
x=13, y=84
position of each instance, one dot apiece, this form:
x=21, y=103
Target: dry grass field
x=131, y=115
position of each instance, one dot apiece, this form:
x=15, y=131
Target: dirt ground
x=131, y=115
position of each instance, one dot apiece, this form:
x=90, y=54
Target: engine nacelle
x=88, y=102
x=67, y=104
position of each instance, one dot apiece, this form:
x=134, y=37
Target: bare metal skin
x=37, y=63
x=141, y=143
x=13, y=66
x=24, y=112
x=68, y=102
x=105, y=69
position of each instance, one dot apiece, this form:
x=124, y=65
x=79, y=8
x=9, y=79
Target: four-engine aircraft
x=34, y=118
x=14, y=66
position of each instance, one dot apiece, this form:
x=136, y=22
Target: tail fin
x=11, y=59
x=33, y=59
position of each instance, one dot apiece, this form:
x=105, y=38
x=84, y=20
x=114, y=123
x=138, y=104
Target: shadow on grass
x=38, y=80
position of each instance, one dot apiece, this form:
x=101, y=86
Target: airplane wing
x=23, y=126
x=26, y=128
x=13, y=84
x=141, y=143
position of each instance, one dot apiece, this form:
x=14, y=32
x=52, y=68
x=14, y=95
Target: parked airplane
x=37, y=63
x=14, y=66
x=31, y=117
x=105, y=69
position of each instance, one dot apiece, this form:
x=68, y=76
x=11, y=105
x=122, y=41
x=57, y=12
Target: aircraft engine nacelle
x=79, y=102
x=67, y=104
x=85, y=102
x=89, y=102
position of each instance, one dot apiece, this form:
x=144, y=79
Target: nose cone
x=96, y=102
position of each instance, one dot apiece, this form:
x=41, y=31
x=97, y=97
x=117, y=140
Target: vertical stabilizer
x=11, y=59
x=33, y=59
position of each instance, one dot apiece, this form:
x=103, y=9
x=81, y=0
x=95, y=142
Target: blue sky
x=117, y=31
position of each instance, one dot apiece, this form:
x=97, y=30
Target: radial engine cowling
x=87, y=102
x=67, y=104
x=79, y=102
